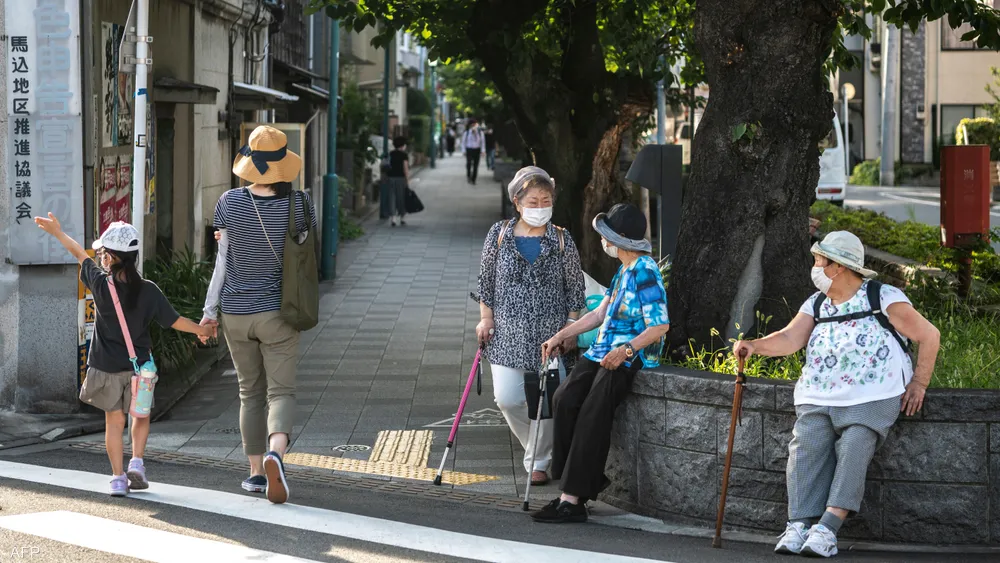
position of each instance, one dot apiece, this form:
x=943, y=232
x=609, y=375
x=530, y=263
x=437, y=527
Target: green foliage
x=866, y=173
x=419, y=133
x=979, y=131
x=349, y=228
x=417, y=102
x=359, y=119
x=183, y=279
x=983, y=19
x=470, y=89
x=993, y=110
x=750, y=131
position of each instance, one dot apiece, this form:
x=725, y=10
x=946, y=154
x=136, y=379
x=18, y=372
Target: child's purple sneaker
x=137, y=475
x=119, y=485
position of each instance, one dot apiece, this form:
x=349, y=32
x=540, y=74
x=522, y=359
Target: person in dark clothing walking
x=450, y=140
x=472, y=145
x=399, y=179
x=491, y=147
x=633, y=321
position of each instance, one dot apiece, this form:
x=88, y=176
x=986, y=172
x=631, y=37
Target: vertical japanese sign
x=87, y=314
x=45, y=137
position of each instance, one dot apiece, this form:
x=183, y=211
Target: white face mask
x=536, y=216
x=610, y=250
x=821, y=280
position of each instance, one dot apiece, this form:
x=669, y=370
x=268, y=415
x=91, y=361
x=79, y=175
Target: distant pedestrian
x=473, y=142
x=531, y=286
x=856, y=380
x=253, y=222
x=490, y=143
x=110, y=367
x=450, y=141
x=633, y=321
x=399, y=180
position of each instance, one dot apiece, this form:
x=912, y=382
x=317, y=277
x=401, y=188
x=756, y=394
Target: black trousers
x=472, y=163
x=583, y=412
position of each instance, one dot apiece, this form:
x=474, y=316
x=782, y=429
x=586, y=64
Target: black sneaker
x=255, y=484
x=560, y=514
x=277, y=486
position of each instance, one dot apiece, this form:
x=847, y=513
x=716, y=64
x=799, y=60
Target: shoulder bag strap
x=124, y=324
x=875, y=302
x=818, y=306
x=263, y=228
x=562, y=238
x=503, y=232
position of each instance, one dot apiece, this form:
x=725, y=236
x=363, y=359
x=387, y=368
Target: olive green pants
x=265, y=350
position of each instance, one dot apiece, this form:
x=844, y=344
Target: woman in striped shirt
x=252, y=222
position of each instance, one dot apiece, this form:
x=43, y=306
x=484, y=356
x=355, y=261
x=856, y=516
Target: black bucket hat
x=624, y=226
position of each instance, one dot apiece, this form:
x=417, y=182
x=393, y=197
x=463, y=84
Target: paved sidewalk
x=393, y=349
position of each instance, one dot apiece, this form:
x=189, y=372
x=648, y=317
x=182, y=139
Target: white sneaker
x=791, y=541
x=820, y=543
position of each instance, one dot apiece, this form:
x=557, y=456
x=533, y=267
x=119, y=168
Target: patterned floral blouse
x=852, y=362
x=530, y=301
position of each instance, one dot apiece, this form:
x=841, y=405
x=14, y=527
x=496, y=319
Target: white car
x=832, y=167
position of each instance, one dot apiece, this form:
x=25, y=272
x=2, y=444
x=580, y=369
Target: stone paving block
x=748, y=442
x=689, y=427
x=937, y=513
x=942, y=452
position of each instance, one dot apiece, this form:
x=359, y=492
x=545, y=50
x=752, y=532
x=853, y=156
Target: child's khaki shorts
x=107, y=391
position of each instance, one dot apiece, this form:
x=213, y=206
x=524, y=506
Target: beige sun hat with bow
x=265, y=159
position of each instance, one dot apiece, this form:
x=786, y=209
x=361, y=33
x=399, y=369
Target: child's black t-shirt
x=107, y=348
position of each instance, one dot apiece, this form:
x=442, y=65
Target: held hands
x=913, y=399
x=218, y=235
x=50, y=225
x=209, y=329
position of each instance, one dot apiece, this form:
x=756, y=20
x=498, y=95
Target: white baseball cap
x=120, y=237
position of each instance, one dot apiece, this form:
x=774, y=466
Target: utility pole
x=331, y=189
x=889, y=78
x=433, y=122
x=385, y=102
x=142, y=62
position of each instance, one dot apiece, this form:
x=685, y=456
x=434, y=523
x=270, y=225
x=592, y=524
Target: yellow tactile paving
x=383, y=468
x=403, y=447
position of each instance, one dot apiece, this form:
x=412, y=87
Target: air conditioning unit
x=875, y=57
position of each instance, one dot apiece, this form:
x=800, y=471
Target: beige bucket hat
x=265, y=159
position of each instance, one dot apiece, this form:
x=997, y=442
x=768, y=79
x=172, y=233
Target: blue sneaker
x=255, y=484
x=277, y=487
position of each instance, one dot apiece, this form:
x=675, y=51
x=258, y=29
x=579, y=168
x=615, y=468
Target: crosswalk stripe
x=122, y=538
x=331, y=522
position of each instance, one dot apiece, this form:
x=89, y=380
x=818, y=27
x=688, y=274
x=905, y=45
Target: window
x=830, y=141
x=951, y=116
x=951, y=39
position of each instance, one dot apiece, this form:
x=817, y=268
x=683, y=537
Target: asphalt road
x=901, y=204
x=199, y=514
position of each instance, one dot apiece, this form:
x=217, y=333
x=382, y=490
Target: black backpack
x=875, y=310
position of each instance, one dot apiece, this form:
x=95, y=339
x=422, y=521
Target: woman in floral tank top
x=856, y=380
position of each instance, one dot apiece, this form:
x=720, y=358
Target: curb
x=653, y=525
x=56, y=434
x=201, y=368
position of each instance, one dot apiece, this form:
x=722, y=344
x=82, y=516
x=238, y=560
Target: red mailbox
x=965, y=194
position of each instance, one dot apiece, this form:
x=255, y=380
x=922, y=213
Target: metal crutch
x=543, y=378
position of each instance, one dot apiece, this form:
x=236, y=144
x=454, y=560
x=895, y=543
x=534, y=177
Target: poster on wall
x=126, y=90
x=109, y=93
x=107, y=212
x=123, y=204
x=86, y=315
x=44, y=136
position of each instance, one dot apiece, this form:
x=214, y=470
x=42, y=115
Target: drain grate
x=227, y=430
x=352, y=448
x=328, y=478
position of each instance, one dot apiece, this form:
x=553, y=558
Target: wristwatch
x=629, y=351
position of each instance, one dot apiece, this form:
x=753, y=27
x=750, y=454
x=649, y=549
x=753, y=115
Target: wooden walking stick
x=735, y=419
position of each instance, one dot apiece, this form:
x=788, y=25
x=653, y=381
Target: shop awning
x=313, y=92
x=168, y=89
x=299, y=70
x=255, y=97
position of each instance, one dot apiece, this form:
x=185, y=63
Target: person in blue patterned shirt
x=633, y=322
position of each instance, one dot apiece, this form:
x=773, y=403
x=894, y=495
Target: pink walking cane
x=476, y=369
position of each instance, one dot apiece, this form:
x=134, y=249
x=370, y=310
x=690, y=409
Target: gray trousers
x=829, y=454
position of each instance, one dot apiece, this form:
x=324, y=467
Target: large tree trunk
x=744, y=242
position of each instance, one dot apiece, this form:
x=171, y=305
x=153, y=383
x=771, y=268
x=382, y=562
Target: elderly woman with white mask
x=857, y=378
x=531, y=286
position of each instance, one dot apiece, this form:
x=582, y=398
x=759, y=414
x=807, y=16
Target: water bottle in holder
x=143, y=384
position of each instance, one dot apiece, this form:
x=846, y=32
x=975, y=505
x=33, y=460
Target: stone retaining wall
x=935, y=481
